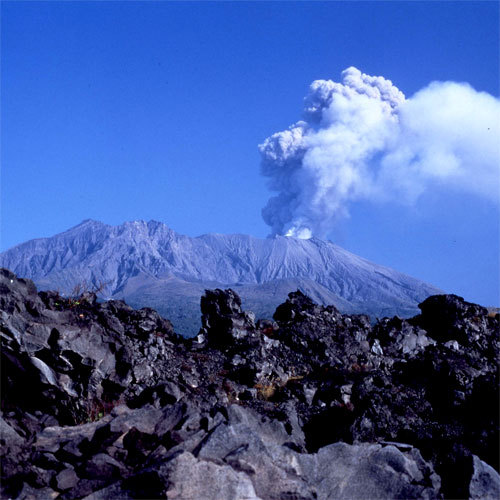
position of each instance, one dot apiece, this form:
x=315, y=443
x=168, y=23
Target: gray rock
x=66, y=479
x=485, y=482
x=9, y=437
x=190, y=478
x=47, y=374
x=114, y=491
x=30, y=493
x=343, y=471
x=102, y=466
x=52, y=438
x=143, y=419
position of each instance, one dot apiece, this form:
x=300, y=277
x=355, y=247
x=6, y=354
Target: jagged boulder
x=451, y=318
x=297, y=305
x=485, y=482
x=224, y=324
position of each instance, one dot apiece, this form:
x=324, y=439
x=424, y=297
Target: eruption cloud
x=363, y=140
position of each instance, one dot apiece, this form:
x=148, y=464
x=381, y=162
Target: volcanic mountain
x=149, y=264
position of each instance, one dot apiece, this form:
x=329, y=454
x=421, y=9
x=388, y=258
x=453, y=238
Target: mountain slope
x=149, y=264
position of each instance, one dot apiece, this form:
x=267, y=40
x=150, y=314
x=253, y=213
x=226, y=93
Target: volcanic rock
x=102, y=401
x=485, y=482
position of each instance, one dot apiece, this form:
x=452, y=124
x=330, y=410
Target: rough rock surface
x=101, y=401
x=485, y=482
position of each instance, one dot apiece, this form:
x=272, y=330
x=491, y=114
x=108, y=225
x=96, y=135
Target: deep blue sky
x=121, y=111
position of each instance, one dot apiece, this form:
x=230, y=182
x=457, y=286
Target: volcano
x=149, y=264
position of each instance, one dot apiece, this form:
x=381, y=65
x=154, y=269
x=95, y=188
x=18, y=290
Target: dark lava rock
x=101, y=401
x=449, y=317
x=223, y=321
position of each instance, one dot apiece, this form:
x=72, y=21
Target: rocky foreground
x=101, y=401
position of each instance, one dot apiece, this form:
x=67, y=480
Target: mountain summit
x=149, y=264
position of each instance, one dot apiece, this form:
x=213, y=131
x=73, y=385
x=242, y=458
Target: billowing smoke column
x=361, y=139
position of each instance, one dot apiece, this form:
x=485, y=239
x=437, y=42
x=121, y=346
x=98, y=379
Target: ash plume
x=363, y=140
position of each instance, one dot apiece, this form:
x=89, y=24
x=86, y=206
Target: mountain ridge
x=147, y=256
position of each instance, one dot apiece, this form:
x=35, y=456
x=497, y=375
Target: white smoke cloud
x=362, y=139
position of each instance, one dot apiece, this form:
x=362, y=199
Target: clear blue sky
x=121, y=111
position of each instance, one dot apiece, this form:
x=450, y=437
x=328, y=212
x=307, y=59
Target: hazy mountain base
x=179, y=300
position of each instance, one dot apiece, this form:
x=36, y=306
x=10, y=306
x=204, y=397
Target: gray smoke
x=362, y=139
